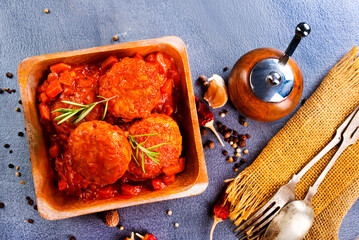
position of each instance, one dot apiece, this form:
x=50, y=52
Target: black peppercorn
x=225, y=69
x=7, y=145
x=204, y=131
x=248, y=136
x=1, y=91
x=237, y=165
x=2, y=205
x=227, y=134
x=225, y=153
x=242, y=144
x=211, y=144
x=243, y=160
x=235, y=133
x=242, y=138
x=9, y=75
x=30, y=221
x=11, y=165
x=72, y=238
x=20, y=134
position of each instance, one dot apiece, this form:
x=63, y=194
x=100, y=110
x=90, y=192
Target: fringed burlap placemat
x=311, y=128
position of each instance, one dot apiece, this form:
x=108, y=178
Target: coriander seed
x=122, y=228
x=115, y=38
x=46, y=10
x=222, y=114
x=169, y=212
x=176, y=225
x=229, y=159
x=238, y=154
x=246, y=151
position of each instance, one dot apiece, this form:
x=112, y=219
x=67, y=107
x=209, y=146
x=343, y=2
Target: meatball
x=136, y=84
x=84, y=91
x=100, y=152
x=167, y=131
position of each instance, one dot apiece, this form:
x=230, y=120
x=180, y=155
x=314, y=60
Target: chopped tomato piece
x=60, y=67
x=149, y=237
x=52, y=76
x=43, y=87
x=158, y=184
x=107, y=192
x=169, y=179
x=44, y=111
x=111, y=60
x=66, y=78
x=54, y=89
x=62, y=185
x=54, y=150
x=138, y=56
x=151, y=57
x=167, y=87
x=176, y=168
x=43, y=97
x=130, y=190
x=169, y=111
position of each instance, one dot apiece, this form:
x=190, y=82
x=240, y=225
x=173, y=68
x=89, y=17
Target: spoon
x=296, y=218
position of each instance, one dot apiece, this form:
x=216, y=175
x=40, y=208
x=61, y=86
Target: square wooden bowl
x=53, y=204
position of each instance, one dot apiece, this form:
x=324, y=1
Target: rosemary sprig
x=139, y=146
x=67, y=113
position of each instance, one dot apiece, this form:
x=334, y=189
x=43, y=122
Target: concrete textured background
x=216, y=34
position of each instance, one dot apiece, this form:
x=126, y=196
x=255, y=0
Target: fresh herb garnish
x=139, y=146
x=79, y=113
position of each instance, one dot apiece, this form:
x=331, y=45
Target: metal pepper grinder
x=266, y=84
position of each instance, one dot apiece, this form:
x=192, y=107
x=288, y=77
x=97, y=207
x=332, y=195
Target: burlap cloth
x=311, y=128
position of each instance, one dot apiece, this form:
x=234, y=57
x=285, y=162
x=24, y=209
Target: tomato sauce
x=80, y=84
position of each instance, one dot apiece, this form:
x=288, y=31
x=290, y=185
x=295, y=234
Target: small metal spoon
x=296, y=218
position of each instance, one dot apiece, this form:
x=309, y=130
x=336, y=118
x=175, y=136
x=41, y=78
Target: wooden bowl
x=243, y=97
x=53, y=204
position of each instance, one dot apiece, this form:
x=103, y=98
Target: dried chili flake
x=220, y=212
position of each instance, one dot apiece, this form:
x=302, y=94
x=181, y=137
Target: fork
x=255, y=226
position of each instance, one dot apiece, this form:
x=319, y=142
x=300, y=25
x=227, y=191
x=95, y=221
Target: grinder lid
x=271, y=81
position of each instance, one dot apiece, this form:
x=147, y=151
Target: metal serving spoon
x=296, y=218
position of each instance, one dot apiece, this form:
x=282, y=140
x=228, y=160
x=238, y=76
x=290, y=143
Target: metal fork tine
x=257, y=222
x=257, y=234
x=249, y=221
x=267, y=221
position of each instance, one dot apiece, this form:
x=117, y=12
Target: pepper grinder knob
x=302, y=30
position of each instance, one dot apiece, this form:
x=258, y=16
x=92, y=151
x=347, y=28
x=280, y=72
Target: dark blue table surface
x=216, y=34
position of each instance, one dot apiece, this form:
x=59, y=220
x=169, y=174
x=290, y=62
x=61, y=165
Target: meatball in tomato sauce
x=81, y=87
x=136, y=84
x=100, y=152
x=167, y=133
